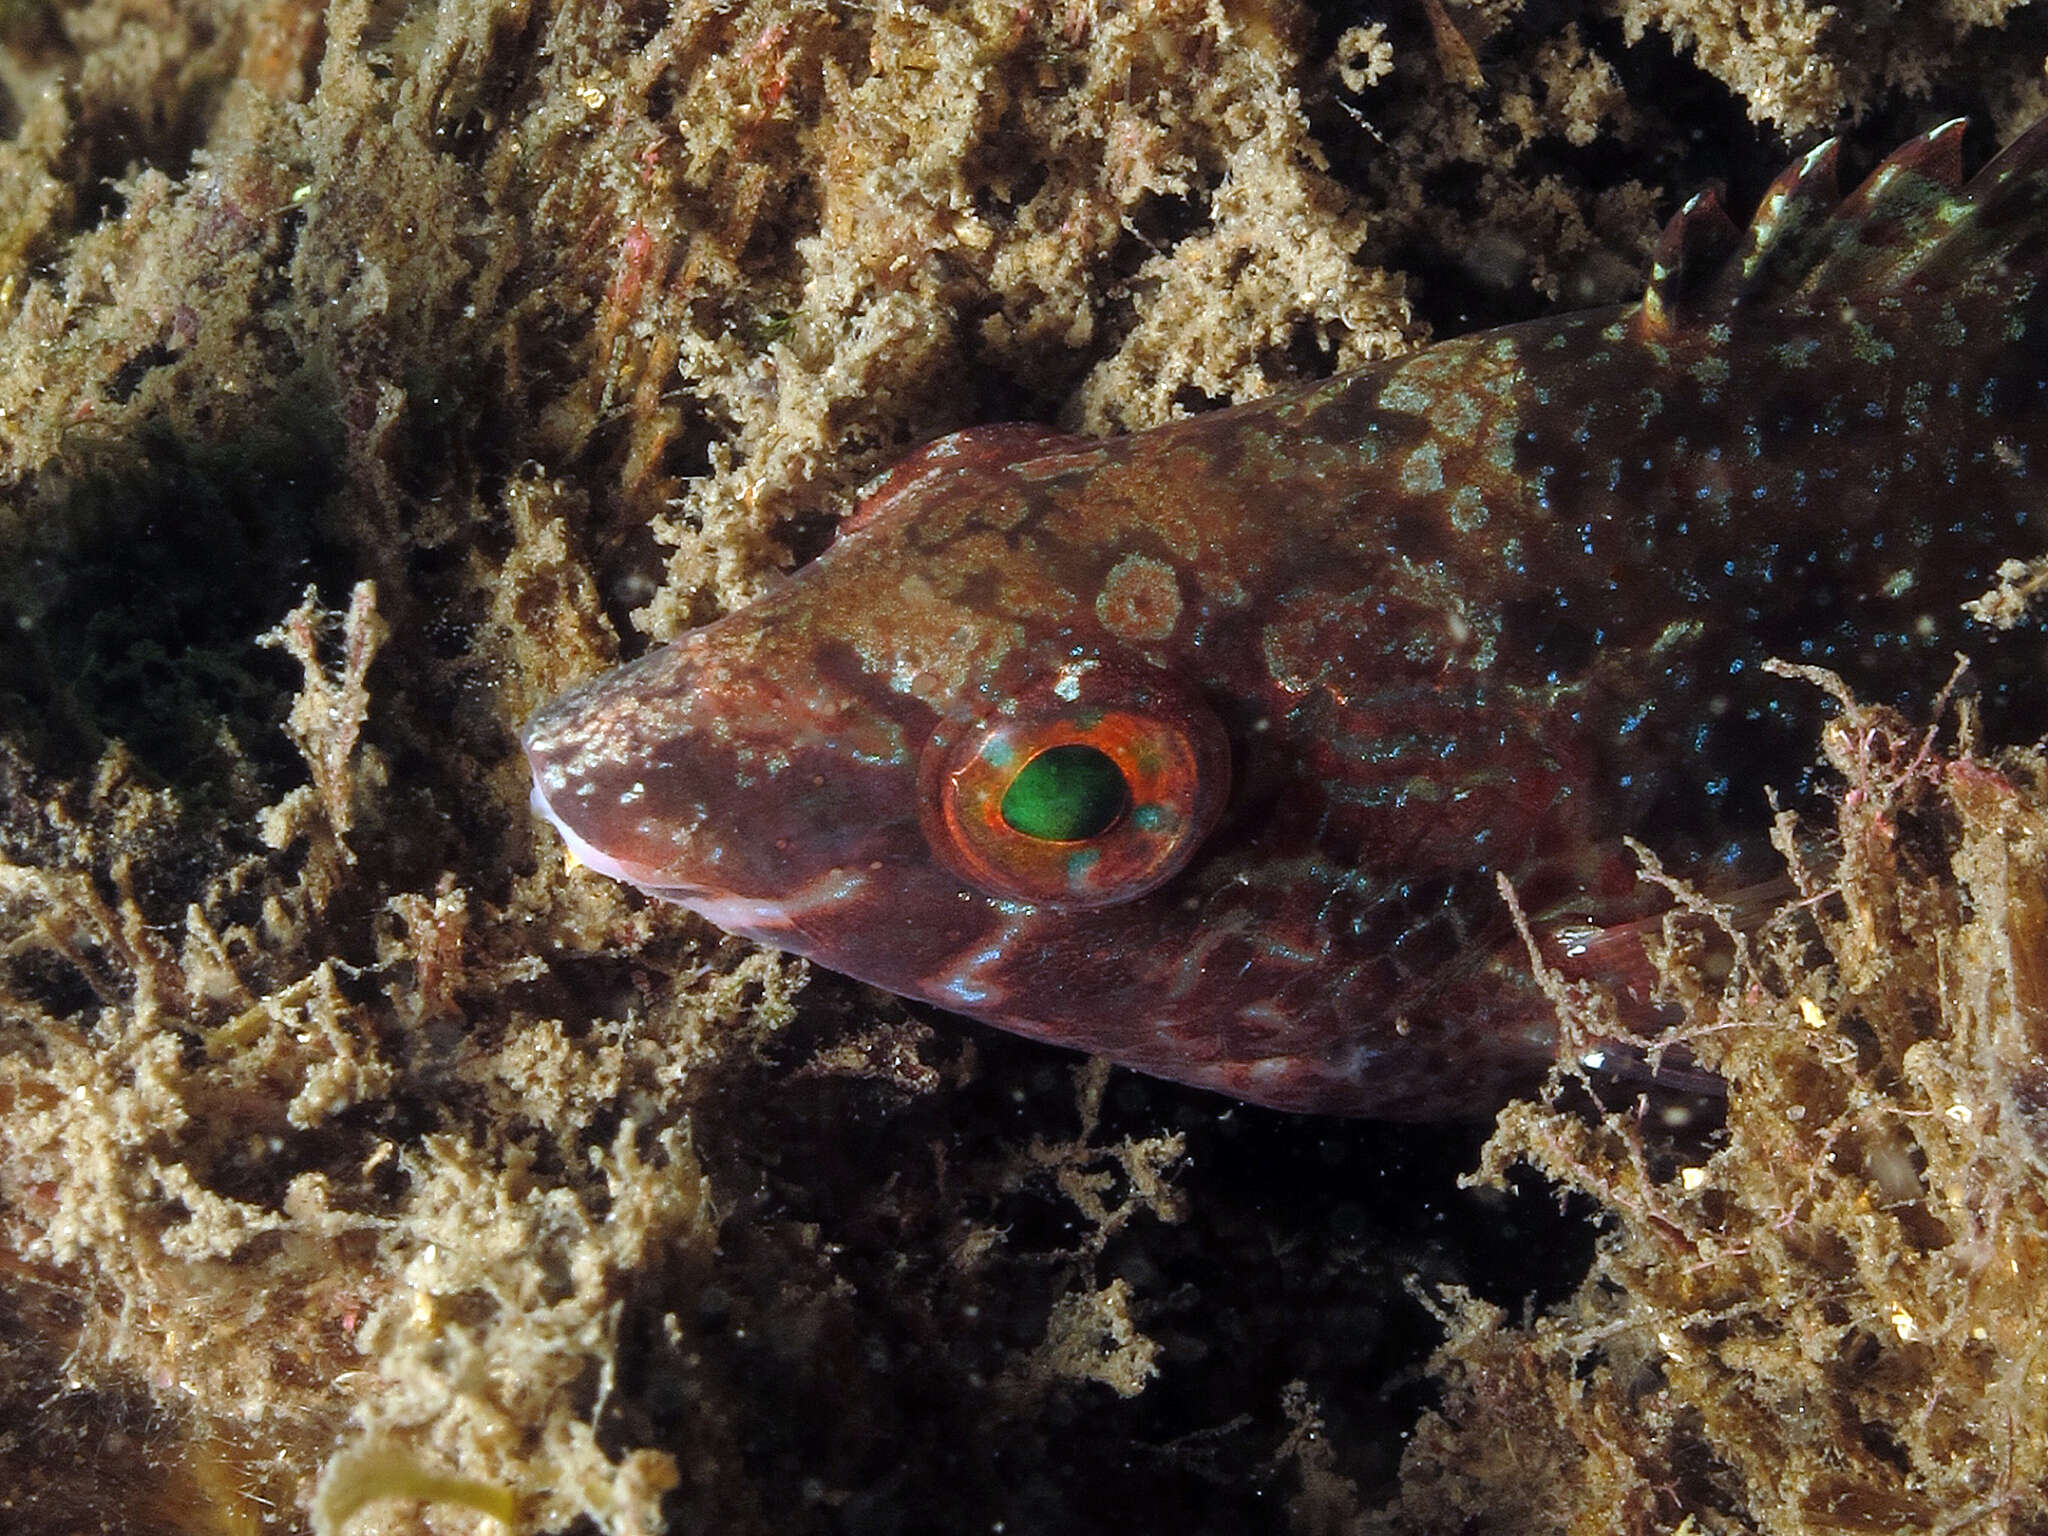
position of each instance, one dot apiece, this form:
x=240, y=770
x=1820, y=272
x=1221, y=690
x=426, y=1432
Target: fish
x=1206, y=748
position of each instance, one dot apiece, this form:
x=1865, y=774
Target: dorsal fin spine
x=1912, y=226
x=1891, y=224
x=1693, y=246
x=1779, y=236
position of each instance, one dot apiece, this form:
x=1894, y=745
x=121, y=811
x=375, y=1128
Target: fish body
x=1203, y=748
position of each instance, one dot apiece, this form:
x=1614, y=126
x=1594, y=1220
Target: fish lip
x=640, y=876
x=749, y=916
x=585, y=852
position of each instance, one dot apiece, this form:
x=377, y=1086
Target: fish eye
x=1078, y=791
x=1066, y=794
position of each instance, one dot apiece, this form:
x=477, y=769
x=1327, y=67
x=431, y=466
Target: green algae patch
x=367, y=1166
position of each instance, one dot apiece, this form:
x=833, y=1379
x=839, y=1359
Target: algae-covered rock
x=370, y=373
x=1825, y=1315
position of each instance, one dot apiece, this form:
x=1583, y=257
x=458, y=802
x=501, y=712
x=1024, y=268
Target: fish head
x=894, y=762
x=1065, y=739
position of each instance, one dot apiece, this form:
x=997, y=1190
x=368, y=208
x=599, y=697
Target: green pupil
x=1066, y=795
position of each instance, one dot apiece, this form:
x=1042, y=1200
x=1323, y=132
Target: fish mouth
x=582, y=850
x=749, y=916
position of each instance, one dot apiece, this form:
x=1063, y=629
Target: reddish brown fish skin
x=1487, y=609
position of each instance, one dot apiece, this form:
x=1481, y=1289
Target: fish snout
x=723, y=786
